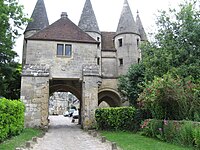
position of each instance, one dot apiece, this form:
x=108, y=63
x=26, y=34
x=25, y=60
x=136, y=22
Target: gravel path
x=64, y=135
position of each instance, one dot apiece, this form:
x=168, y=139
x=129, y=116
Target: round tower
x=39, y=21
x=88, y=23
x=127, y=40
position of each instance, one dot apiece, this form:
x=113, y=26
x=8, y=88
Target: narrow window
x=120, y=62
x=60, y=49
x=138, y=42
x=98, y=61
x=68, y=50
x=120, y=42
x=138, y=60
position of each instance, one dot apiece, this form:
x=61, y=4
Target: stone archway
x=72, y=86
x=110, y=96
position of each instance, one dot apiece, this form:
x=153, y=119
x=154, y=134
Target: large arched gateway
x=78, y=59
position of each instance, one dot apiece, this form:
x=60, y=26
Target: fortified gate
x=64, y=57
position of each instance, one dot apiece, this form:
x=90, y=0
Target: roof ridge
x=63, y=30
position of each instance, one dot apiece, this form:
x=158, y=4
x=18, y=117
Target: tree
x=130, y=84
x=11, y=21
x=177, y=43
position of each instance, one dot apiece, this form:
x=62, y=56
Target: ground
x=64, y=135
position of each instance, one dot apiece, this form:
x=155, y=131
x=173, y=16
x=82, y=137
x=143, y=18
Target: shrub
x=182, y=132
x=172, y=98
x=197, y=137
x=11, y=118
x=118, y=118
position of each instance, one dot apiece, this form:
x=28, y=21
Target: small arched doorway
x=109, y=96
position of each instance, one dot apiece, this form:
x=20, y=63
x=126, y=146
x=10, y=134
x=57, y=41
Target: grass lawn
x=131, y=141
x=16, y=141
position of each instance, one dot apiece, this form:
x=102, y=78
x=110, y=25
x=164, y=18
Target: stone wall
x=35, y=94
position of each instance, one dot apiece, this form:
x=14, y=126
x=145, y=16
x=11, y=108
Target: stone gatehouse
x=65, y=57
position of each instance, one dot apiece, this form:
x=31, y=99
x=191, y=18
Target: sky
x=107, y=13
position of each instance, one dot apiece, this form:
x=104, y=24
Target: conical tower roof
x=39, y=17
x=88, y=22
x=126, y=23
x=140, y=28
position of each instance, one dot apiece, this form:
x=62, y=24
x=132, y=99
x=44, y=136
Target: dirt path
x=64, y=135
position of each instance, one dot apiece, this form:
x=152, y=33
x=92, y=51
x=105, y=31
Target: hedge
x=180, y=132
x=118, y=118
x=11, y=118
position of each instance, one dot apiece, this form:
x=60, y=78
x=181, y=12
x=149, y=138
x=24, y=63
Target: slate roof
x=141, y=28
x=88, y=22
x=63, y=30
x=39, y=17
x=126, y=23
x=108, y=41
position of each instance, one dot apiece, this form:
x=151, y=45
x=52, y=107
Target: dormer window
x=120, y=42
x=64, y=50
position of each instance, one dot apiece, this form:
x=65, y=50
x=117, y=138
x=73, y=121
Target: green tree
x=11, y=20
x=130, y=84
x=177, y=43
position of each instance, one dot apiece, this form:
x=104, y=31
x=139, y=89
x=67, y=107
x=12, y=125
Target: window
x=98, y=61
x=138, y=42
x=64, y=51
x=120, y=42
x=138, y=60
x=98, y=38
x=60, y=48
x=120, y=62
x=68, y=50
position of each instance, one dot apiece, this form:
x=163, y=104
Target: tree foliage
x=130, y=84
x=11, y=21
x=177, y=43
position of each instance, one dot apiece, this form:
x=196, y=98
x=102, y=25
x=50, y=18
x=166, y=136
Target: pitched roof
x=108, y=40
x=140, y=28
x=126, y=22
x=88, y=22
x=39, y=17
x=63, y=30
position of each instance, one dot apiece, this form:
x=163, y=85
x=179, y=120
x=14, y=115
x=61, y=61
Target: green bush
x=11, y=118
x=197, y=137
x=172, y=98
x=179, y=132
x=118, y=118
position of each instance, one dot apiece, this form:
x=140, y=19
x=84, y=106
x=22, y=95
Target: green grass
x=131, y=141
x=19, y=140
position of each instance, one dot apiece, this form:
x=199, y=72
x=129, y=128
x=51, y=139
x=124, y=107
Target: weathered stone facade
x=90, y=70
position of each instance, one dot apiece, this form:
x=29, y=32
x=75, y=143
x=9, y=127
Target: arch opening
x=112, y=98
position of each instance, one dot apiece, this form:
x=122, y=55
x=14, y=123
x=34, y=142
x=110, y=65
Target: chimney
x=64, y=15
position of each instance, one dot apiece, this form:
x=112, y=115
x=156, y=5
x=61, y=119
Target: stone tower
x=39, y=21
x=127, y=40
x=88, y=23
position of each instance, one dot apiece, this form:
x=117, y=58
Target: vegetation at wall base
x=185, y=133
x=19, y=140
x=132, y=141
x=11, y=118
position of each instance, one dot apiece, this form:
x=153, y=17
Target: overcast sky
x=107, y=12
